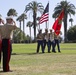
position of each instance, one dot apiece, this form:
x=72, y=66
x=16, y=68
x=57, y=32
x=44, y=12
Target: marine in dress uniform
x=5, y=31
x=46, y=40
x=11, y=22
x=51, y=40
x=40, y=41
x=57, y=37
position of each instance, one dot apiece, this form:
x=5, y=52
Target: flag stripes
x=45, y=15
x=44, y=18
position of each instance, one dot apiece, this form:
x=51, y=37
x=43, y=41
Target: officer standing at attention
x=56, y=38
x=40, y=41
x=46, y=40
x=10, y=22
x=52, y=41
x=5, y=31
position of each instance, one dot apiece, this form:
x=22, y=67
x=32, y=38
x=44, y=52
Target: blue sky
x=19, y=6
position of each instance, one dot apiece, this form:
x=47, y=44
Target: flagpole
x=49, y=14
x=48, y=20
x=46, y=24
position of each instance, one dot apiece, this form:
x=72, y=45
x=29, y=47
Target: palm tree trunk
x=20, y=31
x=34, y=21
x=71, y=24
x=30, y=33
x=65, y=29
x=23, y=28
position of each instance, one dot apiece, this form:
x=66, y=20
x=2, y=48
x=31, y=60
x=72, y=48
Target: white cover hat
x=9, y=17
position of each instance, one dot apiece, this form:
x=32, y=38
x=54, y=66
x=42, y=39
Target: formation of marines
x=49, y=39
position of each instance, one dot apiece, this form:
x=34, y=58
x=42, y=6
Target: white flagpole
x=49, y=14
x=48, y=17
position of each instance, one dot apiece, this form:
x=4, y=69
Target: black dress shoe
x=54, y=51
x=49, y=52
x=8, y=71
x=59, y=51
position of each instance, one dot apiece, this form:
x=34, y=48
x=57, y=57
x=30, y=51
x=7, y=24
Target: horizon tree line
x=69, y=9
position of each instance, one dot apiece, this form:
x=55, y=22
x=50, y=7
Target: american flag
x=45, y=15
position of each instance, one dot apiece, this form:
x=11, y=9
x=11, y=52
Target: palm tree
x=34, y=7
x=29, y=24
x=22, y=17
x=54, y=16
x=68, y=10
x=19, y=19
x=71, y=20
x=12, y=12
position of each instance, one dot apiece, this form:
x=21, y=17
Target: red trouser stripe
x=8, y=57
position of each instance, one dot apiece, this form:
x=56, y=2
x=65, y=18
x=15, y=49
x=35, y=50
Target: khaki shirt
x=46, y=36
x=39, y=36
x=51, y=36
x=6, y=30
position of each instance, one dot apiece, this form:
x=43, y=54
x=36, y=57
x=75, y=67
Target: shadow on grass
x=26, y=53
x=1, y=72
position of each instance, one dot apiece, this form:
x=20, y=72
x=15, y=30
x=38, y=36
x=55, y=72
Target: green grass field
x=25, y=61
